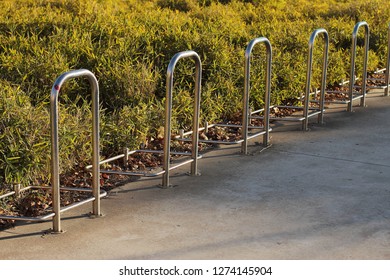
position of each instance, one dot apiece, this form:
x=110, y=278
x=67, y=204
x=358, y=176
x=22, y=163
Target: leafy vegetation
x=128, y=45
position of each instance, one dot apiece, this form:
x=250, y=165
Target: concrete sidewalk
x=322, y=194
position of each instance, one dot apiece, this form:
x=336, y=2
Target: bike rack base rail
x=51, y=215
x=181, y=137
x=140, y=173
x=382, y=72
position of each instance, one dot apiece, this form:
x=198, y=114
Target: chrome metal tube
x=7, y=194
x=55, y=172
x=74, y=205
x=130, y=173
x=14, y=192
x=168, y=114
x=353, y=58
x=309, y=74
x=107, y=160
x=30, y=219
x=387, y=80
x=181, y=135
x=246, y=112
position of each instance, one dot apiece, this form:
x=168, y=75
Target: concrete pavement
x=322, y=194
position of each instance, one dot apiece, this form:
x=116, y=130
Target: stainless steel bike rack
x=247, y=113
x=195, y=122
x=194, y=155
x=385, y=71
x=306, y=98
x=55, y=176
x=352, y=94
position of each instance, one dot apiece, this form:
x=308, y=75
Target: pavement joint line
x=333, y=158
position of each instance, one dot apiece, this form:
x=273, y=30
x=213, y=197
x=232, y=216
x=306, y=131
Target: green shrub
x=24, y=137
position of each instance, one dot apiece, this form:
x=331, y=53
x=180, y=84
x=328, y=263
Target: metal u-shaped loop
x=55, y=173
x=168, y=114
x=246, y=113
x=353, y=58
x=309, y=74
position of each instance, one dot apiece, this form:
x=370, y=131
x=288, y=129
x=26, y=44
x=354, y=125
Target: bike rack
x=245, y=126
x=306, y=98
x=55, y=188
x=247, y=115
x=97, y=193
x=385, y=71
x=352, y=78
x=167, y=129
